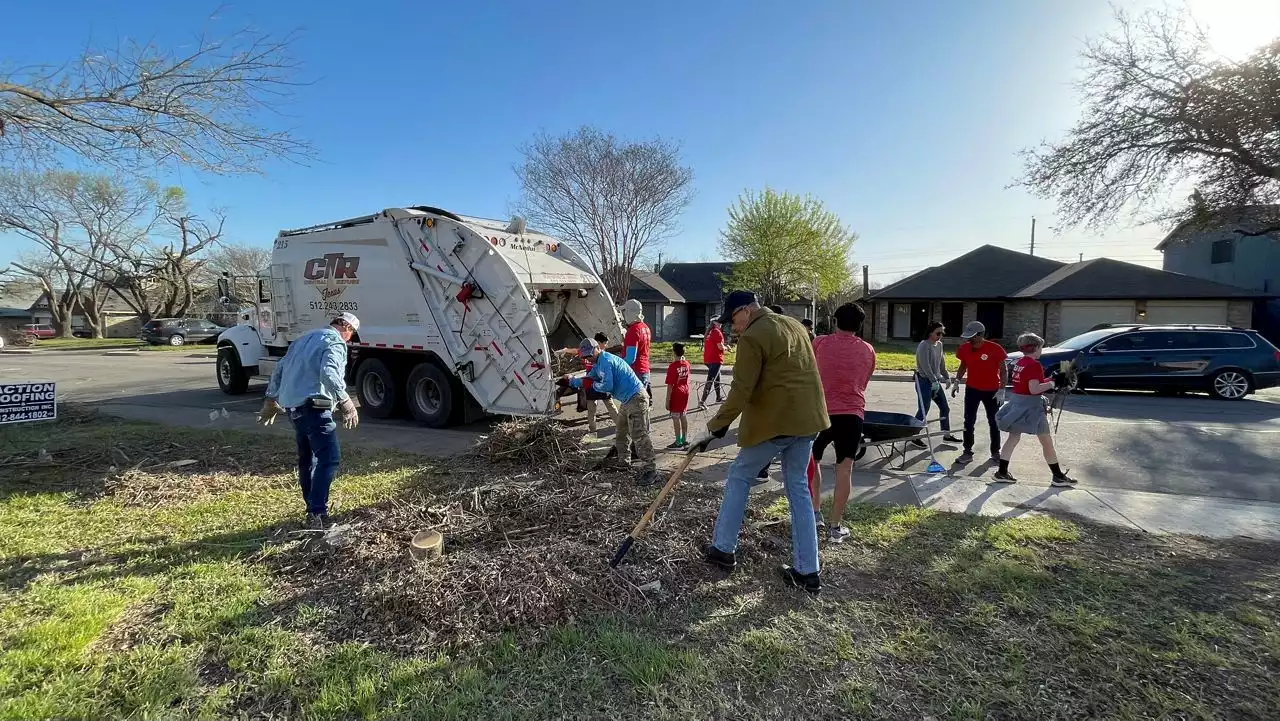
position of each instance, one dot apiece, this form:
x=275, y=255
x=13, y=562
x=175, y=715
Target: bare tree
x=201, y=106
x=239, y=261
x=612, y=199
x=32, y=206
x=1160, y=111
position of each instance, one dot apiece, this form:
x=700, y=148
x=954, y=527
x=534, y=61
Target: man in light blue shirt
x=308, y=382
x=611, y=374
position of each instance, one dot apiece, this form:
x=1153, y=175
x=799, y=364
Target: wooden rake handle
x=647, y=518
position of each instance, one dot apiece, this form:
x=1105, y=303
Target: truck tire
x=377, y=389
x=232, y=378
x=429, y=395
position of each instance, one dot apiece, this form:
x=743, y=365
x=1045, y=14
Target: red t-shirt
x=983, y=364
x=1027, y=369
x=678, y=386
x=845, y=364
x=638, y=337
x=711, y=350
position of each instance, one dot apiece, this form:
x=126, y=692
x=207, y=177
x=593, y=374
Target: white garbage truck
x=459, y=316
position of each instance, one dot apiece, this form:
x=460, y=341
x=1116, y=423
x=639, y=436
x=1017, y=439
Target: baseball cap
x=350, y=319
x=587, y=347
x=973, y=329
x=734, y=301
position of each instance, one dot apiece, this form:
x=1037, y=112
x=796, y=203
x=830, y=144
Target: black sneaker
x=964, y=458
x=1063, y=480
x=317, y=521
x=648, y=478
x=919, y=443
x=1003, y=477
x=675, y=445
x=808, y=581
x=952, y=438
x=719, y=559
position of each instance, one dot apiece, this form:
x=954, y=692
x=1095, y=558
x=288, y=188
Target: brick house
x=1012, y=292
x=686, y=296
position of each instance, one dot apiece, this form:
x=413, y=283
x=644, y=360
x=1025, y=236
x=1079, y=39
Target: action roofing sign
x=28, y=401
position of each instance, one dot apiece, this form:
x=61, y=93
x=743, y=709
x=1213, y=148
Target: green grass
x=661, y=353
x=111, y=607
x=889, y=356
x=80, y=343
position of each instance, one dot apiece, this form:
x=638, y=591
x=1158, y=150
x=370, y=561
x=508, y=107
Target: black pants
x=987, y=399
x=713, y=376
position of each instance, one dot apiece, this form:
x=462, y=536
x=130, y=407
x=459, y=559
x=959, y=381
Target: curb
x=17, y=352
x=123, y=353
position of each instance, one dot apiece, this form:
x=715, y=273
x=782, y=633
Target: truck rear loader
x=459, y=316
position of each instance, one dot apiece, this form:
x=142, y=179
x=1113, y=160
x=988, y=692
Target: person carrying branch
x=777, y=391
x=591, y=396
x=308, y=382
x=611, y=374
x=1024, y=412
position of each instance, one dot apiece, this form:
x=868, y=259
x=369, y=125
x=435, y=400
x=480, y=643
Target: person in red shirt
x=845, y=364
x=636, y=343
x=678, y=395
x=1024, y=411
x=983, y=360
x=713, y=347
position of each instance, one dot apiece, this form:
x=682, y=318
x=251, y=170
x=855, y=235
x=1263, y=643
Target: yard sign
x=28, y=401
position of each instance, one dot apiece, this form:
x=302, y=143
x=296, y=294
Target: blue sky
x=904, y=117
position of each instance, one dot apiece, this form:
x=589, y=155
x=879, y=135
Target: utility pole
x=866, y=281
x=1033, y=235
x=1081, y=260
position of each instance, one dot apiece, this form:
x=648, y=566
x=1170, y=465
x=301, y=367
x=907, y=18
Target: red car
x=39, y=330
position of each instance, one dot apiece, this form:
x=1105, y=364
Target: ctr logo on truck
x=332, y=274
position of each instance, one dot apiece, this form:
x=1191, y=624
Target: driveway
x=1121, y=441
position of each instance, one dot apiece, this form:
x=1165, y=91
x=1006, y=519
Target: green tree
x=782, y=243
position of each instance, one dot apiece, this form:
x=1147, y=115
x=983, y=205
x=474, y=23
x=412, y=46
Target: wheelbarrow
x=891, y=433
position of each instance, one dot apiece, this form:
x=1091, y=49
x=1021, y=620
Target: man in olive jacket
x=777, y=391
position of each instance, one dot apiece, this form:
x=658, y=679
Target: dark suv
x=178, y=331
x=1227, y=362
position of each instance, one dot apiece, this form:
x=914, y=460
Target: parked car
x=39, y=331
x=1226, y=362
x=179, y=331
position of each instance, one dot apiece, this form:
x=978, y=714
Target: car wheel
x=429, y=395
x=376, y=387
x=1230, y=384
x=176, y=339
x=232, y=378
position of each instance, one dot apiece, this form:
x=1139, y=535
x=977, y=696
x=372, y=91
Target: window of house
x=1223, y=251
x=900, y=320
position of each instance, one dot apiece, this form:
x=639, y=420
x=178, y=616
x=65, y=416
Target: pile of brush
x=531, y=442
x=566, y=363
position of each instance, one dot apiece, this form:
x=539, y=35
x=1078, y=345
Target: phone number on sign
x=334, y=305
x=11, y=416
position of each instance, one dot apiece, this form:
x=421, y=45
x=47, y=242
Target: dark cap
x=734, y=301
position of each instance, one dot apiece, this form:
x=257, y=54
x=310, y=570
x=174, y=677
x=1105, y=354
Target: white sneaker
x=837, y=534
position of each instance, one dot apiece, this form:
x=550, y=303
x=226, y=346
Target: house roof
x=1103, y=278
x=697, y=282
x=1249, y=218
x=647, y=286
x=987, y=272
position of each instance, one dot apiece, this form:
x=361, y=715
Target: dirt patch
x=523, y=548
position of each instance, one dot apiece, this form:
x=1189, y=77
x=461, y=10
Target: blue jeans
x=924, y=391
x=318, y=455
x=795, y=451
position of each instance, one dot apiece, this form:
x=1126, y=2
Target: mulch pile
x=526, y=544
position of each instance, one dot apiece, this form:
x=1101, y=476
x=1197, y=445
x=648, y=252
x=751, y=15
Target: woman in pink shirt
x=845, y=363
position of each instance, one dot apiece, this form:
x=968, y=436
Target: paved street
x=1110, y=441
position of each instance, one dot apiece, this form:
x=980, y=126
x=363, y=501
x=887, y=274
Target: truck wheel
x=232, y=378
x=376, y=388
x=429, y=394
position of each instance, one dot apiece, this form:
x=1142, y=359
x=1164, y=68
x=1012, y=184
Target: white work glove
x=270, y=409
x=1000, y=396
x=350, y=418
x=933, y=389
x=955, y=387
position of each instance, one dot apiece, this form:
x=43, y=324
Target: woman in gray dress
x=1024, y=411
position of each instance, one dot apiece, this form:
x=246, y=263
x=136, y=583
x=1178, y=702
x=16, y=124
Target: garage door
x=1206, y=312
x=1079, y=316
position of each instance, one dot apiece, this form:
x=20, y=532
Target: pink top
x=845, y=363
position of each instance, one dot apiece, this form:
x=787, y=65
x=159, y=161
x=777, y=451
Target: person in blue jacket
x=611, y=374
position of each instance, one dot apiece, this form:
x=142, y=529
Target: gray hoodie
x=929, y=361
